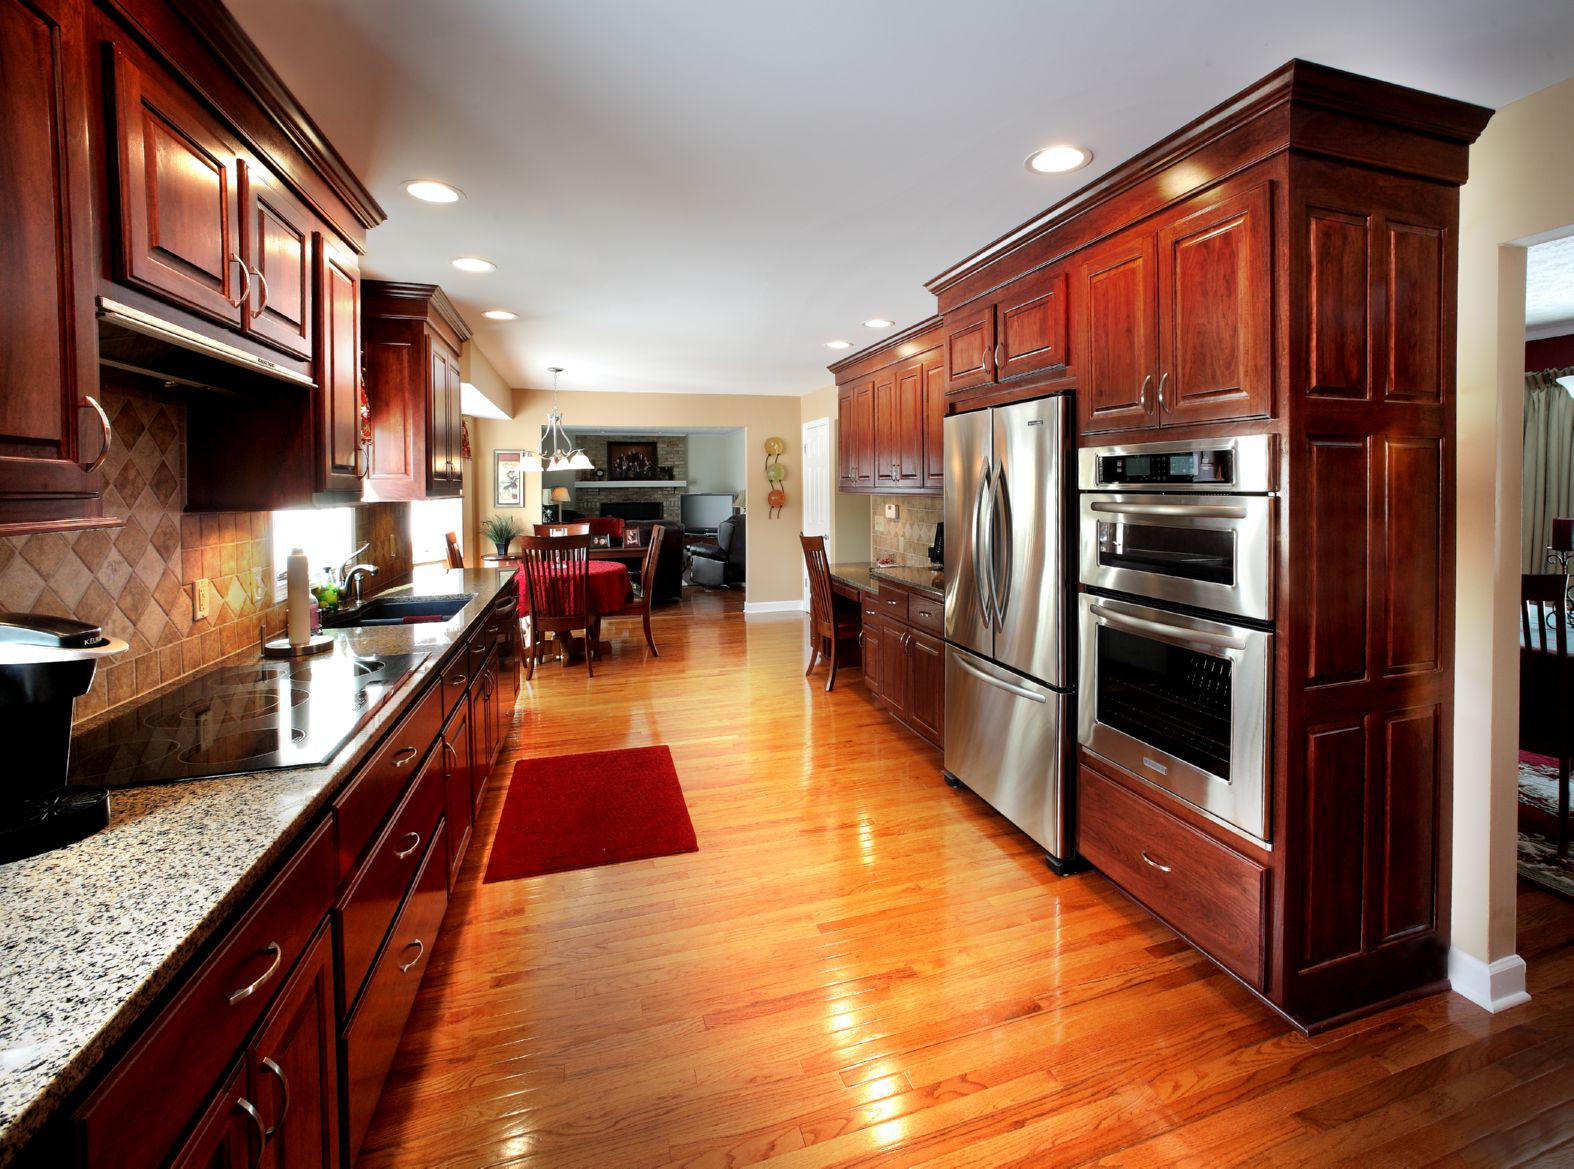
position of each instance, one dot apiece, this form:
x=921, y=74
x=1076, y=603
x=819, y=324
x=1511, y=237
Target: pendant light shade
x=558, y=452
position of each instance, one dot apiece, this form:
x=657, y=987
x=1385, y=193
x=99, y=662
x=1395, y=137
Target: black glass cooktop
x=256, y=716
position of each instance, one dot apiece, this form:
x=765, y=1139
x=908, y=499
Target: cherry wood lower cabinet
x=904, y=658
x=458, y=774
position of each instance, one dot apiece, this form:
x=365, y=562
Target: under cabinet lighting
x=838, y=344
x=474, y=264
x=432, y=191
x=1057, y=160
x=500, y=314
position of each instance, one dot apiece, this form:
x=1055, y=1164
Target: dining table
x=608, y=589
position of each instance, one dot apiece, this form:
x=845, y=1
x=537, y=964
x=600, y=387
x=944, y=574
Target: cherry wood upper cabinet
x=890, y=402
x=443, y=419
x=846, y=464
x=855, y=436
x=51, y=436
x=278, y=253
x=342, y=458
x=1177, y=321
x=1018, y=331
x=934, y=420
x=885, y=430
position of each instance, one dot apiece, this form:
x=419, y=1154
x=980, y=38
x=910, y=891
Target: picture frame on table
x=631, y=537
x=508, y=489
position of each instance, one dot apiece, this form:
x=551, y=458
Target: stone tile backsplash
x=907, y=538
x=135, y=581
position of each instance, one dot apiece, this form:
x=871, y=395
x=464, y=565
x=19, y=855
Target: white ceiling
x=694, y=195
x=1549, y=288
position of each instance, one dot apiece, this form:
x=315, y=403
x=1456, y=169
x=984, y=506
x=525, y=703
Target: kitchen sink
x=398, y=611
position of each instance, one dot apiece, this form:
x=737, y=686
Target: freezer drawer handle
x=1170, y=633
x=1206, y=511
x=1009, y=687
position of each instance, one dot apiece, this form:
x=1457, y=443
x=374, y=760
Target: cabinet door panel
x=279, y=253
x=908, y=450
x=871, y=646
x=970, y=349
x=46, y=362
x=458, y=765
x=885, y=424
x=341, y=459
x=926, y=696
x=846, y=461
x=895, y=675
x=934, y=421
x=863, y=433
x=1216, y=303
x=295, y=1067
x=1118, y=346
x=179, y=208
x=1032, y=324
x=225, y=1134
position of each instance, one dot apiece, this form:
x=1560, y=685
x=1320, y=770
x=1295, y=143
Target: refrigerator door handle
x=1001, y=585
x=983, y=549
x=1008, y=687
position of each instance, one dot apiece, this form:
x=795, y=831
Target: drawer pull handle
x=1162, y=867
x=284, y=1089
x=91, y=403
x=449, y=747
x=891, y=603
x=924, y=613
x=459, y=680
x=250, y=989
x=420, y=948
x=403, y=756
x=250, y=1110
x=415, y=841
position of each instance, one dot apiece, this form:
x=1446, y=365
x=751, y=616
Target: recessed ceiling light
x=432, y=191
x=838, y=344
x=500, y=314
x=1057, y=160
x=474, y=264
x=878, y=323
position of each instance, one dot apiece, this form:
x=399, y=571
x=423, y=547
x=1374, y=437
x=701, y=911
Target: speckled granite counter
x=91, y=933
x=866, y=577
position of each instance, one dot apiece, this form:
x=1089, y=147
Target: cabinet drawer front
x=893, y=603
x=363, y=806
x=1210, y=893
x=136, y=1115
x=368, y=906
x=926, y=613
x=462, y=668
x=372, y=1036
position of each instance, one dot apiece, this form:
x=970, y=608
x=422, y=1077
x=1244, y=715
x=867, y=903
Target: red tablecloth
x=609, y=586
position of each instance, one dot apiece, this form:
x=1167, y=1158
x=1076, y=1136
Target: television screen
x=704, y=512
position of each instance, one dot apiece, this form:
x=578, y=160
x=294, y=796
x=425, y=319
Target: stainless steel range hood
x=138, y=342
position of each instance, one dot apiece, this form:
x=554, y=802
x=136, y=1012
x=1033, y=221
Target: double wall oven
x=1176, y=620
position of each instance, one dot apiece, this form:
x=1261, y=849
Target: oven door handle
x=981, y=555
x=1172, y=634
x=1008, y=687
x=1202, y=511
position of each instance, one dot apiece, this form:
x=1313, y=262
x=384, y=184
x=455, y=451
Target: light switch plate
x=890, y=511
x=199, y=599
x=256, y=585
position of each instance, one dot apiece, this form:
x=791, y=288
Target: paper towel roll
x=299, y=598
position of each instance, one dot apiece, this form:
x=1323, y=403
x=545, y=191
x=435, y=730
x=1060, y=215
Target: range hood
x=138, y=342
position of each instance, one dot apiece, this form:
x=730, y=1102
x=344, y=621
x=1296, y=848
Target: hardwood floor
x=863, y=967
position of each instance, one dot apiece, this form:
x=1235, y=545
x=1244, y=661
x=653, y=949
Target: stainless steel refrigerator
x=1007, y=678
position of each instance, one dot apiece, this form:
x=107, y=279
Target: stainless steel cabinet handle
x=924, y=613
x=250, y=1110
x=250, y=989
x=1164, y=377
x=91, y=403
x=262, y=301
x=1163, y=868
x=403, y=756
x=245, y=281
x=1142, y=394
x=459, y=680
x=420, y=948
x=449, y=747
x=997, y=357
x=284, y=1089
x=413, y=837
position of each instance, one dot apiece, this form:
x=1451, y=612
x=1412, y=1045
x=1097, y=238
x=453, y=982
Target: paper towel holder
x=278, y=646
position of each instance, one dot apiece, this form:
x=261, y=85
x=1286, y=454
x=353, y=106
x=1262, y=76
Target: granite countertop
x=867, y=577
x=91, y=933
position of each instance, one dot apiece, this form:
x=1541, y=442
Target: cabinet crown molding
x=910, y=341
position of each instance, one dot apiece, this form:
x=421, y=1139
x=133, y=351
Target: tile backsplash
x=907, y=538
x=136, y=581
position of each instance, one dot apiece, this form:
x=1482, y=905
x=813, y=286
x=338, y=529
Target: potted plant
x=501, y=530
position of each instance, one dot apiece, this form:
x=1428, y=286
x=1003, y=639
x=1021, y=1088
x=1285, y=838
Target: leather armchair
x=722, y=563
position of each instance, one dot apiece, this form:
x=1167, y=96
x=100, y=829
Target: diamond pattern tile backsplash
x=135, y=581
x=907, y=538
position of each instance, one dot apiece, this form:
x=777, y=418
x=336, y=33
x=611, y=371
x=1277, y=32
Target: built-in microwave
x=1181, y=702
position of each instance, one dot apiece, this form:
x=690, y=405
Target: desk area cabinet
x=890, y=408
x=901, y=646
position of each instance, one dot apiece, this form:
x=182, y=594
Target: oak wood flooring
x=861, y=967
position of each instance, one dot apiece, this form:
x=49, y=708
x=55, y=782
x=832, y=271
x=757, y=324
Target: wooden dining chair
x=829, y=628
x=557, y=583
x=1546, y=681
x=456, y=558
x=640, y=605
x=577, y=528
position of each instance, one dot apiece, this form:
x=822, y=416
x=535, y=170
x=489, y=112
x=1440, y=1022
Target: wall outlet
x=199, y=599
x=256, y=586
x=890, y=511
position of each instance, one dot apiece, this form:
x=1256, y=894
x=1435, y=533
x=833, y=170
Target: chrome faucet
x=348, y=566
x=353, y=577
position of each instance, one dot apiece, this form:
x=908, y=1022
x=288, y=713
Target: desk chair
x=828, y=628
x=1546, y=681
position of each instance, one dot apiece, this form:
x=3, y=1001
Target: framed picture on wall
x=509, y=488
x=631, y=460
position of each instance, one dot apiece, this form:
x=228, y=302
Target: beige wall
x=1521, y=187
x=475, y=368
x=850, y=514
x=774, y=555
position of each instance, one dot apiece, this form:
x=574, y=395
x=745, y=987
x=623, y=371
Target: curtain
x=1549, y=464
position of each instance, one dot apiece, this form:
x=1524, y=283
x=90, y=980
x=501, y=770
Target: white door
x=816, y=487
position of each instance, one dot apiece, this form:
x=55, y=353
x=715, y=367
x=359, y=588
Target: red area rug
x=597, y=808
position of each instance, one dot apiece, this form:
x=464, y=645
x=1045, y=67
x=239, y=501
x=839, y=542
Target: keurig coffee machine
x=45, y=663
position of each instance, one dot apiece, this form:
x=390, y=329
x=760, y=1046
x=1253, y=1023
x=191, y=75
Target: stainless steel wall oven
x=1179, y=696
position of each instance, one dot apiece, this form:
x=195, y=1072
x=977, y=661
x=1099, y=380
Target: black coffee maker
x=937, y=549
x=45, y=664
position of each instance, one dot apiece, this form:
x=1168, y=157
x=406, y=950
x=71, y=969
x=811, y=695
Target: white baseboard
x=1496, y=986
x=754, y=608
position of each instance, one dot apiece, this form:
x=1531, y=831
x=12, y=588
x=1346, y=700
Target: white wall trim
x=1495, y=987
x=754, y=608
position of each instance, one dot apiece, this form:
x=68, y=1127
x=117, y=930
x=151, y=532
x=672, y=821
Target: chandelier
x=558, y=452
